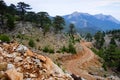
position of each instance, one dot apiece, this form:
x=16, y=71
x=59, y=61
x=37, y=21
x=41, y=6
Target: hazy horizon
x=53, y=7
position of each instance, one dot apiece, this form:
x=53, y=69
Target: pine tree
x=3, y=8
x=45, y=21
x=22, y=8
x=72, y=29
x=10, y=22
x=58, y=23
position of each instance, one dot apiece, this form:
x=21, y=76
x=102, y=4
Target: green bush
x=72, y=40
x=71, y=48
x=19, y=36
x=48, y=49
x=51, y=50
x=4, y=38
x=22, y=36
x=64, y=49
x=31, y=43
x=58, y=51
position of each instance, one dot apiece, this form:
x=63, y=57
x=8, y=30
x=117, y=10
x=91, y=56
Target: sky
x=63, y=7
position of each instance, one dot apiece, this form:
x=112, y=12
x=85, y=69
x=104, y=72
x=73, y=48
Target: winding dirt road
x=74, y=65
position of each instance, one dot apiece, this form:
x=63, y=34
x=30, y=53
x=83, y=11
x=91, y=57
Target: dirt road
x=74, y=65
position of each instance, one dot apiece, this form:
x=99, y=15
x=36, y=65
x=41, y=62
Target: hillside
x=30, y=31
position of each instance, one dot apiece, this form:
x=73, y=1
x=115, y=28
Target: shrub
x=22, y=36
x=48, y=49
x=31, y=43
x=51, y=50
x=58, y=51
x=72, y=40
x=19, y=36
x=64, y=49
x=4, y=38
x=71, y=48
x=95, y=51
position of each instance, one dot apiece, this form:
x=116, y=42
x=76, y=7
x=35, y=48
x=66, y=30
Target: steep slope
x=29, y=31
x=17, y=62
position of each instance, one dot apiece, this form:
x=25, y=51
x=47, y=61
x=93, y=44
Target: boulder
x=29, y=53
x=42, y=58
x=10, y=66
x=17, y=59
x=3, y=66
x=22, y=49
x=14, y=75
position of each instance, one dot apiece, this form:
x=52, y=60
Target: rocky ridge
x=17, y=62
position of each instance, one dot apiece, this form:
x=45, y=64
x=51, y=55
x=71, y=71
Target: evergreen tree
x=88, y=37
x=112, y=56
x=31, y=17
x=112, y=41
x=22, y=8
x=10, y=22
x=3, y=8
x=72, y=29
x=12, y=10
x=45, y=21
x=99, y=37
x=58, y=23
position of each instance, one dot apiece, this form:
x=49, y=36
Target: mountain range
x=85, y=22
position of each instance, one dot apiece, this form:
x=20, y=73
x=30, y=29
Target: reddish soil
x=79, y=63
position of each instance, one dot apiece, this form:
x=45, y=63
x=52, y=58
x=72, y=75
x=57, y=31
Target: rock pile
x=17, y=62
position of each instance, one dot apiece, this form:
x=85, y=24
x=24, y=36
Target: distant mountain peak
x=76, y=13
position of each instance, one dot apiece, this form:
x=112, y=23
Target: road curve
x=73, y=65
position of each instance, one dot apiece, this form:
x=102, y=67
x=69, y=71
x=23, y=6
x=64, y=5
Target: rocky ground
x=17, y=62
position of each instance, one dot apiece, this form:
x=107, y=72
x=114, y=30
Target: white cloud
x=62, y=7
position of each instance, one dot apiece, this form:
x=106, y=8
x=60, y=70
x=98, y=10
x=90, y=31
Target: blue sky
x=63, y=7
